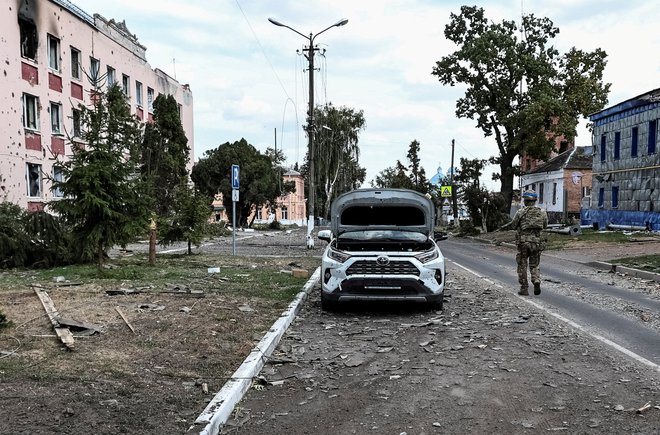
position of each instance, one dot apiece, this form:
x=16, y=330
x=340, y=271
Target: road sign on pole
x=235, y=184
x=235, y=173
x=445, y=191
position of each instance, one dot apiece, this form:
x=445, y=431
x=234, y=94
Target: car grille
x=364, y=267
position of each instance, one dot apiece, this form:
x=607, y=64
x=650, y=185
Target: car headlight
x=338, y=255
x=427, y=256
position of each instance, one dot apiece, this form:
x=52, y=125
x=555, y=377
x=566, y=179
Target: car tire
x=436, y=305
x=327, y=304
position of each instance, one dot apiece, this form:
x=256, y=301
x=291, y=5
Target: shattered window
x=53, y=53
x=150, y=99
x=138, y=93
x=30, y=112
x=29, y=41
x=77, y=123
x=34, y=180
x=58, y=175
x=94, y=70
x=126, y=84
x=110, y=76
x=75, y=63
x=56, y=118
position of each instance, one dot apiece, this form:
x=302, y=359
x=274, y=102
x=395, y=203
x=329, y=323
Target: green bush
x=35, y=239
x=216, y=229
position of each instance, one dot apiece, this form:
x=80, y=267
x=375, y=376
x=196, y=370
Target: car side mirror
x=440, y=235
x=325, y=235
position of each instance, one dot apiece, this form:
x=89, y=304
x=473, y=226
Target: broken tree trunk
x=63, y=333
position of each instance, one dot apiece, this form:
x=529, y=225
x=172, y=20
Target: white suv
x=381, y=247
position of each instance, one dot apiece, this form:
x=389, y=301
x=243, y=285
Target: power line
x=262, y=49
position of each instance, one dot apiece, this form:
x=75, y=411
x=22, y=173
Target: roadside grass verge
x=264, y=278
x=593, y=240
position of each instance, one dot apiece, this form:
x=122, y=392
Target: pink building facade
x=290, y=209
x=54, y=56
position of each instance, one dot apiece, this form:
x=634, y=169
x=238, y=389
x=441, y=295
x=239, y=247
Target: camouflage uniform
x=528, y=223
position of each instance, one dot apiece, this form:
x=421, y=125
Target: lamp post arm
x=337, y=24
x=277, y=23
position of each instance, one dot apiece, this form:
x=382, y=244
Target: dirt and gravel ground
x=487, y=364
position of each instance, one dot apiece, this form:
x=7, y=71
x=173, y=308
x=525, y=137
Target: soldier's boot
x=537, y=288
x=523, y=291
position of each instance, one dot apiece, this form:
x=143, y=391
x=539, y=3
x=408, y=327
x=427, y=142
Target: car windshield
x=383, y=236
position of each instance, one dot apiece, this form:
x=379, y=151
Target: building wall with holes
x=54, y=56
x=626, y=164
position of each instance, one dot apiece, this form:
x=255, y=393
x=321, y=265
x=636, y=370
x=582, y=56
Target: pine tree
x=104, y=203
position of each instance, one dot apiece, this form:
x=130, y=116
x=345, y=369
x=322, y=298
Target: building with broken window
x=54, y=58
x=561, y=183
x=626, y=165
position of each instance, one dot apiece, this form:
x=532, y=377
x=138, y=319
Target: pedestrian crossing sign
x=445, y=191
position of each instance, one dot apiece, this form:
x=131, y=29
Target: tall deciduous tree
x=260, y=178
x=336, y=154
x=401, y=176
x=103, y=200
x=519, y=88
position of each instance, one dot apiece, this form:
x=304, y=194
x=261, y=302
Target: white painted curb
x=219, y=409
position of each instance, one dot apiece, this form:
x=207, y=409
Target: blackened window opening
x=390, y=216
x=29, y=41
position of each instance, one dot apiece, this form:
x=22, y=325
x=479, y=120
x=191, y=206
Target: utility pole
x=310, y=49
x=311, y=197
x=454, y=204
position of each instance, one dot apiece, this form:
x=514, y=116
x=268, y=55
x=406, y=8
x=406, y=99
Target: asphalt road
x=609, y=320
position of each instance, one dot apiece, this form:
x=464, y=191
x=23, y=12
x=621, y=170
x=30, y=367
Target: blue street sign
x=235, y=171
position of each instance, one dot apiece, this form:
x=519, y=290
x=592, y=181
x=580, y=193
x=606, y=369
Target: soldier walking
x=528, y=222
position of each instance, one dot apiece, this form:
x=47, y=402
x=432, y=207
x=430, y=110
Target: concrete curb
x=219, y=409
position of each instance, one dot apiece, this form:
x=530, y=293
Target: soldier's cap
x=529, y=195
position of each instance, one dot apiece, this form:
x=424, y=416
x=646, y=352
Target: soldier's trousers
x=529, y=253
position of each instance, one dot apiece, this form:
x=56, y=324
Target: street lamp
x=310, y=120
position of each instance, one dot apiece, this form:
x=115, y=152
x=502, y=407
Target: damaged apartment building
x=55, y=57
x=626, y=165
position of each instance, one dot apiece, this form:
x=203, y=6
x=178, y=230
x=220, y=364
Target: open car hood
x=382, y=209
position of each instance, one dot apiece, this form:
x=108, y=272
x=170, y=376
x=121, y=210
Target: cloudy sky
x=248, y=80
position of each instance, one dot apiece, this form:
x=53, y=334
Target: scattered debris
x=125, y=319
x=646, y=407
x=80, y=327
x=63, y=333
x=121, y=291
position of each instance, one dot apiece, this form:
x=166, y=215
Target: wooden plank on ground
x=125, y=319
x=64, y=334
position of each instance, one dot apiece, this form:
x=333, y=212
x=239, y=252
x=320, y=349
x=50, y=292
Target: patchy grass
x=241, y=276
x=650, y=263
x=597, y=240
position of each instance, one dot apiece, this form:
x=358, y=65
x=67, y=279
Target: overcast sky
x=248, y=81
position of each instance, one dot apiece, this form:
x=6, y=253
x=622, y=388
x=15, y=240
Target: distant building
x=528, y=164
x=54, y=58
x=288, y=210
x=561, y=183
x=438, y=177
x=626, y=181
